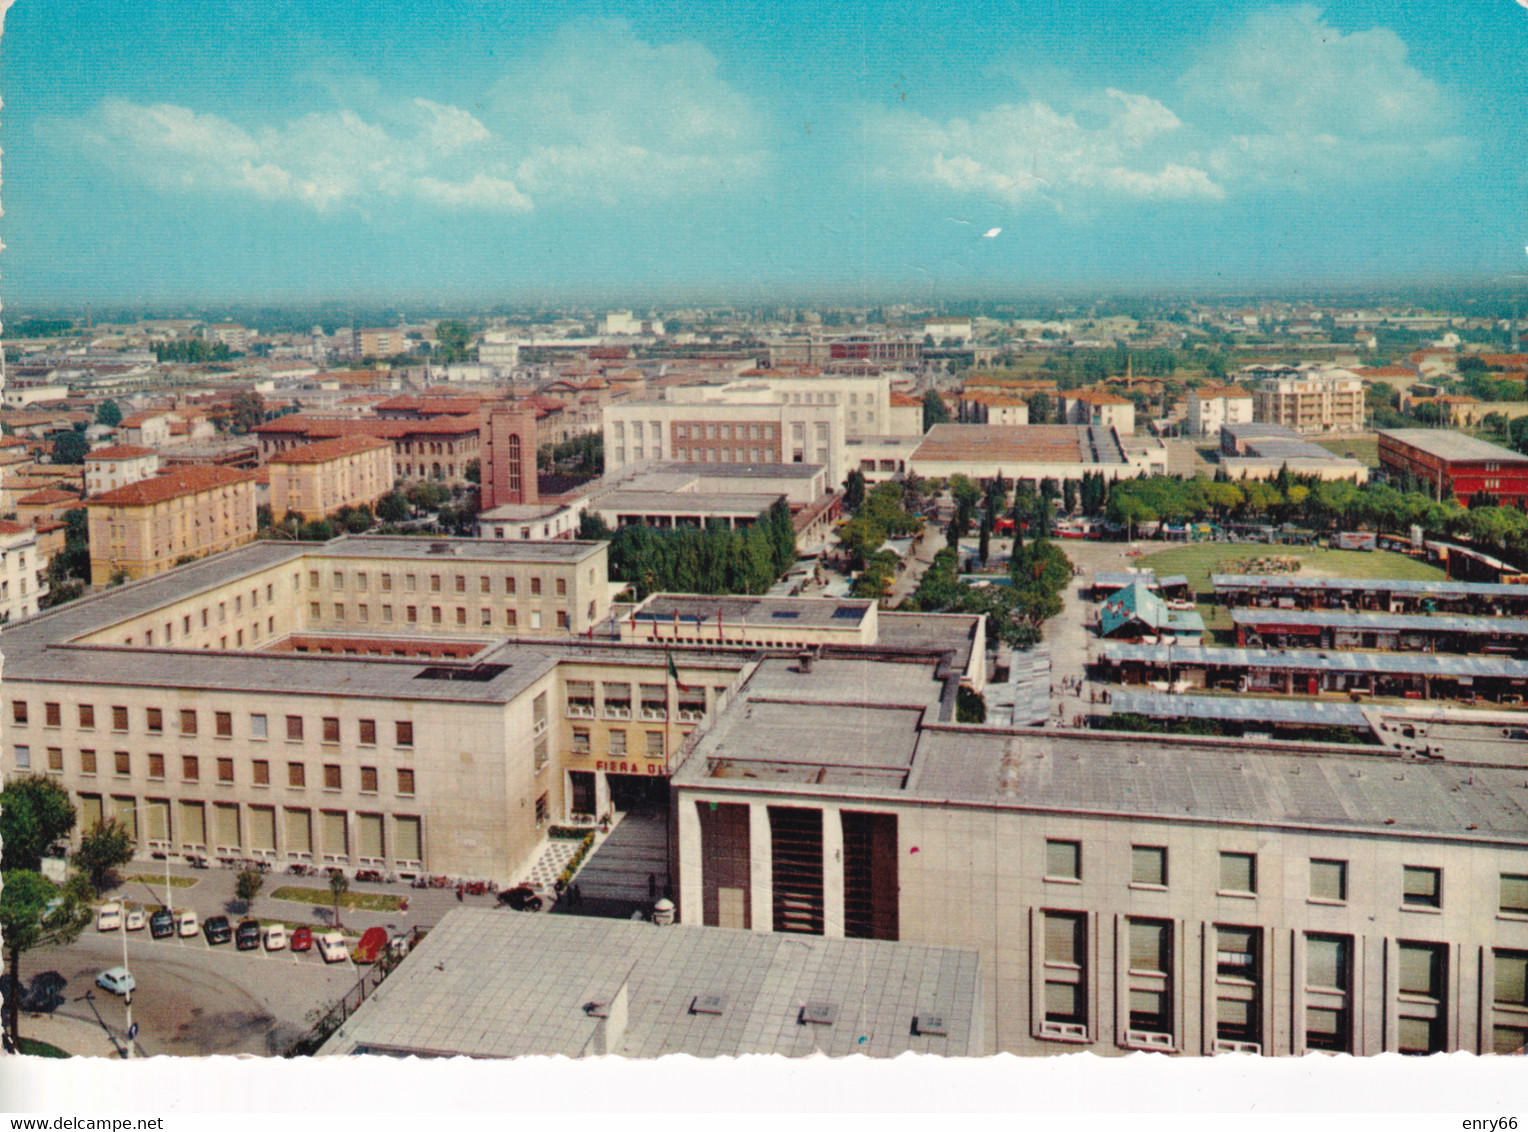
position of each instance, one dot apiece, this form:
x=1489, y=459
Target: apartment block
x=146, y=527
x=1211, y=407
x=23, y=572
x=1307, y=398
x=315, y=480
x=117, y=466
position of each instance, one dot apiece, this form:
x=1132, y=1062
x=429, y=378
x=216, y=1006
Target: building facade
x=1211, y=407
x=318, y=479
x=1308, y=398
x=1454, y=463
x=438, y=449
x=23, y=572
x=146, y=527
x=117, y=466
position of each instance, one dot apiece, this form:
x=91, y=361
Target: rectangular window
x=315, y=610
x=87, y=764
x=156, y=766
x=1238, y=872
x=461, y=615
x=562, y=619
x=331, y=776
x=260, y=772
x=87, y=718
x=412, y=614
x=543, y=810
x=1421, y=887
x=23, y=756
x=1150, y=984
x=435, y=618
x=339, y=580
x=1328, y=880
x=562, y=587
x=403, y=733
x=297, y=775
x=190, y=768
x=535, y=587
x=1063, y=860
x=225, y=770
x=616, y=742
x=581, y=741
x=1421, y=979
x=18, y=711
x=435, y=583
x=655, y=744
x=294, y=728
x=1514, y=894
x=1065, y=971
x=509, y=586
x=52, y=715
x=368, y=779
x=405, y=781
x=313, y=579
x=339, y=611
x=1148, y=865
x=331, y=729
x=56, y=759
x=223, y=724
x=1238, y=989
x=510, y=619
x=124, y=764
x=188, y=721
x=368, y=732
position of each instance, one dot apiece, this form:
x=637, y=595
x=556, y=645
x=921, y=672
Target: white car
x=186, y=924
x=135, y=920
x=275, y=937
x=118, y=980
x=331, y=945
x=109, y=917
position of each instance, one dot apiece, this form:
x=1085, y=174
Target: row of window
x=459, y=583
x=1421, y=885
x=616, y=744
x=191, y=769
x=222, y=721
x=653, y=701
x=204, y=616
x=1239, y=989
x=437, y=615
x=340, y=838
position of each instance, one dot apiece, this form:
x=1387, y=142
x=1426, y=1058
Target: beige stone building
x=1307, y=398
x=1100, y=408
x=1181, y=895
x=146, y=527
x=439, y=448
x=318, y=479
x=117, y=466
x=23, y=572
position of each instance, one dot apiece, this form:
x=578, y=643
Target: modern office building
x=1180, y=895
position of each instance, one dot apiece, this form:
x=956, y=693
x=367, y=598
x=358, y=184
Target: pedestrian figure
x=652, y=886
x=458, y=894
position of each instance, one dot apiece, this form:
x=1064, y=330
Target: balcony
x=618, y=711
x=654, y=713
x=580, y=709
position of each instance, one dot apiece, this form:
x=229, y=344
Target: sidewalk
x=74, y=1036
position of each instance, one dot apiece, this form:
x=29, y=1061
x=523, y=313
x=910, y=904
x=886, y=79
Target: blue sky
x=749, y=151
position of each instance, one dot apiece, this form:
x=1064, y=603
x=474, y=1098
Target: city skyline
x=582, y=152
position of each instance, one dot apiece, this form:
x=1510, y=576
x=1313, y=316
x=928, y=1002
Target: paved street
x=1068, y=634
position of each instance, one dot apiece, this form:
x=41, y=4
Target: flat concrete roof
x=1236, y=709
x=446, y=550
x=484, y=983
x=765, y=612
x=686, y=502
x=1448, y=445
x=1373, y=622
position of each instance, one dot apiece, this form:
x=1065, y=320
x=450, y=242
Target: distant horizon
x=752, y=153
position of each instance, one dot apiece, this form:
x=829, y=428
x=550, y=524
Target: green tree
x=109, y=414
x=934, y=410
x=70, y=448
x=34, y=911
x=103, y=847
x=247, y=411
x=1042, y=408
x=453, y=338
x=339, y=885
x=473, y=472
x=35, y=812
x=970, y=707
x=854, y=491
x=392, y=507
x=247, y=886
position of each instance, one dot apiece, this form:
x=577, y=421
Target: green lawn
x=158, y=881
x=366, y=901
x=1362, y=448
x=34, y=1048
x=1199, y=560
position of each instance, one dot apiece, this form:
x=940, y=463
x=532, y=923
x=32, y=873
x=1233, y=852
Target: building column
x=832, y=874
x=761, y=896
x=691, y=865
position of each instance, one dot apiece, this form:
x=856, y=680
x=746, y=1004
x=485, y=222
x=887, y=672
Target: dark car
x=302, y=938
x=522, y=898
x=162, y=923
x=217, y=929
x=247, y=937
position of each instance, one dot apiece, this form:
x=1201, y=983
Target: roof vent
x=804, y=662
x=819, y=1014
x=708, y=1004
x=931, y=1025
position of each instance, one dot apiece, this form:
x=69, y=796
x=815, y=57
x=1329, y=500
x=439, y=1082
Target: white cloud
x=596, y=114
x=1284, y=102
x=1031, y=152
x=1289, y=98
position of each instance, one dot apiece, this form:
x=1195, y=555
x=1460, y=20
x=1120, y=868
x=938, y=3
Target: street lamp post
x=127, y=998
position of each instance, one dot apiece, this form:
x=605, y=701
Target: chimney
x=805, y=663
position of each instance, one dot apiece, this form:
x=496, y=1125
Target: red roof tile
x=329, y=450
x=119, y=452
x=190, y=480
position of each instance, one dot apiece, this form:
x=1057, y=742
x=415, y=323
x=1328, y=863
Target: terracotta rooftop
x=171, y=485
x=325, y=450
x=1096, y=397
x=46, y=496
x=325, y=428
x=438, y=406
x=904, y=400
x=9, y=528
x=119, y=452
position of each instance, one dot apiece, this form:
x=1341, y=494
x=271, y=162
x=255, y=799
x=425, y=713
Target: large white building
x=1308, y=398
x=1212, y=406
x=23, y=572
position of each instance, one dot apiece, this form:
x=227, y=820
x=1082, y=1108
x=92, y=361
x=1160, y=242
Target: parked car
x=275, y=937
x=331, y=945
x=185, y=923
x=302, y=938
x=247, y=936
x=118, y=980
x=162, y=923
x=373, y=943
x=217, y=930
x=109, y=917
x=135, y=920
